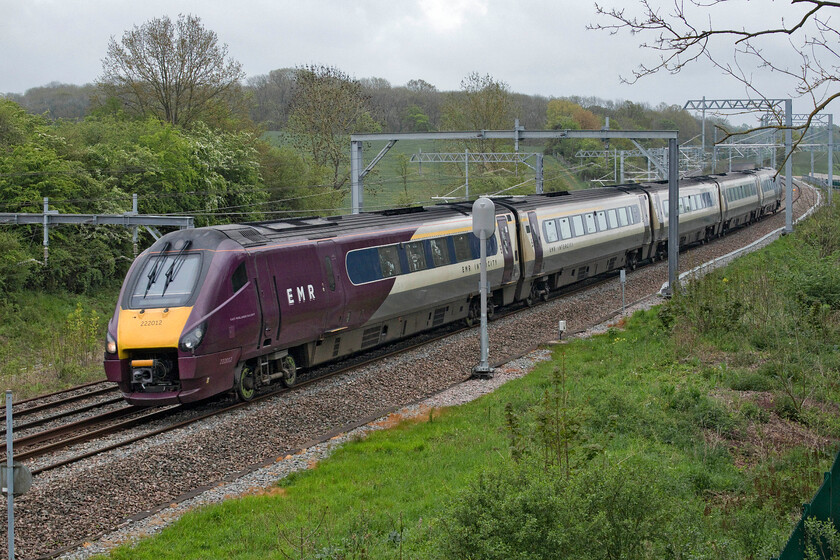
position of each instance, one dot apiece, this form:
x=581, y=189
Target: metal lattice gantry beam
x=475, y=157
x=733, y=104
x=53, y=218
x=129, y=219
x=519, y=134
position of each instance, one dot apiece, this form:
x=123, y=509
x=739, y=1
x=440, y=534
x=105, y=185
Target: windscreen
x=165, y=280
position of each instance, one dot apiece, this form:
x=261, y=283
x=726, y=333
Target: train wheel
x=246, y=386
x=630, y=261
x=289, y=371
x=544, y=294
x=474, y=314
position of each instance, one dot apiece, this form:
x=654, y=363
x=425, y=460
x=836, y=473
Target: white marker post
x=484, y=227
x=623, y=278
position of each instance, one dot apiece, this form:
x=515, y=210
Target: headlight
x=193, y=338
x=110, y=344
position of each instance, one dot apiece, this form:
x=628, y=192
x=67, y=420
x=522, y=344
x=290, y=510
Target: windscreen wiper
x=153, y=274
x=175, y=267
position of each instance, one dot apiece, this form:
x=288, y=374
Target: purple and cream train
x=236, y=307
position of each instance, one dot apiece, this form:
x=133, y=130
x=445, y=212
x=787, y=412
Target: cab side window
x=239, y=277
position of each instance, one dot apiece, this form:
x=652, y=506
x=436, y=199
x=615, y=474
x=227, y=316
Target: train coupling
x=149, y=371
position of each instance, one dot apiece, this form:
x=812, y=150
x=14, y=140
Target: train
x=237, y=307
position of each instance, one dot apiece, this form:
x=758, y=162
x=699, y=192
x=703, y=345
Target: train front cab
x=182, y=316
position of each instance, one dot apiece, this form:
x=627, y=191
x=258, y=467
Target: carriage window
x=601, y=219
x=462, y=247
x=635, y=214
x=239, y=277
x=612, y=218
x=577, y=226
x=550, y=228
x=565, y=229
x=707, y=200
x=693, y=201
x=622, y=216
x=389, y=261
x=439, y=251
x=665, y=208
x=416, y=256
x=589, y=219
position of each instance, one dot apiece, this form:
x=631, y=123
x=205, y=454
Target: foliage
x=15, y=265
x=177, y=72
x=271, y=97
x=483, y=103
x=416, y=120
x=822, y=540
x=56, y=100
x=78, y=343
x=605, y=511
x=561, y=113
x=328, y=105
x=214, y=174
x=295, y=185
x=51, y=341
x=94, y=166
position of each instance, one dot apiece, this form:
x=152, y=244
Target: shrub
x=619, y=510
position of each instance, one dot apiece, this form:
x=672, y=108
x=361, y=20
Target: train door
x=506, y=248
x=331, y=286
x=269, y=304
x=535, y=235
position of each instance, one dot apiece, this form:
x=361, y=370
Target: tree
x=271, y=97
x=177, y=72
x=559, y=112
x=482, y=104
x=688, y=33
x=57, y=101
x=327, y=106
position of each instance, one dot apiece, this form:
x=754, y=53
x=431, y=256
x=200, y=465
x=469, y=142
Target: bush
x=620, y=510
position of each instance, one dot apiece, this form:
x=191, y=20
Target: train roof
x=253, y=234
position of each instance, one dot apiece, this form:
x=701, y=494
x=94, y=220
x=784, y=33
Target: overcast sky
x=535, y=46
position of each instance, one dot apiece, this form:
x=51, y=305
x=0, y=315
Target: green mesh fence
x=825, y=506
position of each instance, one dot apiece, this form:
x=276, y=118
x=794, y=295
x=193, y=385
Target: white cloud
x=445, y=16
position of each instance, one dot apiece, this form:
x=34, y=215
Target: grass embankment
x=52, y=341
x=693, y=432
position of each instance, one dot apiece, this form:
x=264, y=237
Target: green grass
x=51, y=341
x=392, y=494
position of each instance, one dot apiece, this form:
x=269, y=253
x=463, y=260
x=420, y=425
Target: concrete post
x=788, y=166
